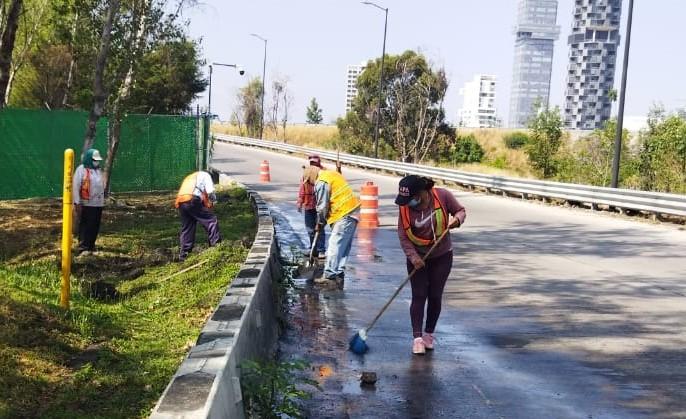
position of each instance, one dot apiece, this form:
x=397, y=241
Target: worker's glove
x=319, y=227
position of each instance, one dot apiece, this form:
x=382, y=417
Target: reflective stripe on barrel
x=369, y=208
x=264, y=172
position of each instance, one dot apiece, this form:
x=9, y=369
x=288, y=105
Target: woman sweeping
x=425, y=214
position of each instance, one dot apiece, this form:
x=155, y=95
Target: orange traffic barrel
x=369, y=212
x=264, y=172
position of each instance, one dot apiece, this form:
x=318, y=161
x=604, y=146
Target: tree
x=591, y=157
x=412, y=111
x=9, y=20
x=278, y=111
x=248, y=106
x=278, y=87
x=287, y=100
x=99, y=92
x=29, y=33
x=314, y=113
x=545, y=138
x=42, y=83
x=168, y=69
x=169, y=78
x=662, y=152
x=136, y=44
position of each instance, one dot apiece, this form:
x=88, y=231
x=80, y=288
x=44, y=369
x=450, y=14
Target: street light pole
x=209, y=94
x=383, y=55
x=622, y=94
x=264, y=71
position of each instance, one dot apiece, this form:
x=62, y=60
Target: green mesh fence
x=155, y=151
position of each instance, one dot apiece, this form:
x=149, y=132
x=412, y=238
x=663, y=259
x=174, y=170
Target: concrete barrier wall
x=243, y=326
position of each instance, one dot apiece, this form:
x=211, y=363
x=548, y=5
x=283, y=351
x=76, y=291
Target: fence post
x=66, y=226
x=203, y=140
x=206, y=142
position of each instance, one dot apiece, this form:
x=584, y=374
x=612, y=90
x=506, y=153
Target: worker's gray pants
x=340, y=242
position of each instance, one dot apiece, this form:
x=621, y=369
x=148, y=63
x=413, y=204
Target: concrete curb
x=242, y=327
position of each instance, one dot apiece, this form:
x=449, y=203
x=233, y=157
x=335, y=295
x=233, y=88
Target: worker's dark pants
x=427, y=286
x=310, y=224
x=194, y=212
x=89, y=226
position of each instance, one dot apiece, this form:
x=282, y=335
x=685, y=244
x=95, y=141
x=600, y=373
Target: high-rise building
x=353, y=73
x=535, y=35
x=593, y=46
x=478, y=108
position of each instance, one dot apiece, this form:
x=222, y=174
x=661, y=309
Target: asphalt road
x=549, y=312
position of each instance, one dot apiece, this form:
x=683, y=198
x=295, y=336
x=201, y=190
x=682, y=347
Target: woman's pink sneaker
x=418, y=346
x=428, y=339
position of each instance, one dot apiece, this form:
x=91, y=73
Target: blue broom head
x=358, y=344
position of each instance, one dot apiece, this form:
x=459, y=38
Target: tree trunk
x=72, y=62
x=137, y=45
x=37, y=14
x=99, y=94
x=8, y=36
x=284, y=121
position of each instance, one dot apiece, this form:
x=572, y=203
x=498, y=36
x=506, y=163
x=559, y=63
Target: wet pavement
x=554, y=318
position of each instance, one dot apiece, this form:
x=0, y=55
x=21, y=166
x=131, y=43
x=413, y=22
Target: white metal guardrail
x=623, y=199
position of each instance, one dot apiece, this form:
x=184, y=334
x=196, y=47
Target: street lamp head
x=241, y=71
x=369, y=3
x=258, y=37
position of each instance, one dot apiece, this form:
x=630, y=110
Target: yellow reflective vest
x=343, y=201
x=185, y=193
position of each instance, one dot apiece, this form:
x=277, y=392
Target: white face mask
x=96, y=164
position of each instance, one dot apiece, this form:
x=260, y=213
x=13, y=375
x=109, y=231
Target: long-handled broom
x=358, y=342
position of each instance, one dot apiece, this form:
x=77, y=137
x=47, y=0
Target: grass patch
x=106, y=358
x=300, y=135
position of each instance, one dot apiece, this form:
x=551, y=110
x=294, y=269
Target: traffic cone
x=264, y=172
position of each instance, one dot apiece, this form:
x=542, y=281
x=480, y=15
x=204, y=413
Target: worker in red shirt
x=307, y=204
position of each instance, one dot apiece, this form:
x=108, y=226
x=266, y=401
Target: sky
x=311, y=42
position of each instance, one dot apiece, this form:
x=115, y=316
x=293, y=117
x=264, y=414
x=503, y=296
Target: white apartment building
x=478, y=108
x=354, y=71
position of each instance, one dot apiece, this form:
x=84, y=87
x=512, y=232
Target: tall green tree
x=314, y=113
x=170, y=78
x=168, y=71
x=545, y=138
x=412, y=113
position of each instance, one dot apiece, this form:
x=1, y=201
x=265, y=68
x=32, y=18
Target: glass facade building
x=535, y=35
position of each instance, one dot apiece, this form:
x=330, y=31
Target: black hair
x=428, y=183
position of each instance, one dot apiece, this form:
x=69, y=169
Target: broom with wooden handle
x=358, y=342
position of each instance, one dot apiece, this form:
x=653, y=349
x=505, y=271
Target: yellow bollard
x=66, y=226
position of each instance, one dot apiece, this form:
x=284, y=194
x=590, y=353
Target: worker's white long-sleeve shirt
x=97, y=187
x=203, y=183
